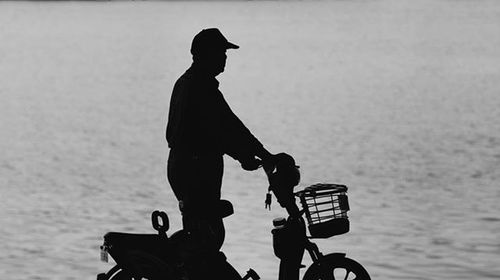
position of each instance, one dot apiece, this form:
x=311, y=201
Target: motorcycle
x=159, y=256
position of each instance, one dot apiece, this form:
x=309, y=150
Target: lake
x=399, y=100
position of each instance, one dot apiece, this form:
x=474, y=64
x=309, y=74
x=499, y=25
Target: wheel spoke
x=346, y=274
x=333, y=267
x=356, y=277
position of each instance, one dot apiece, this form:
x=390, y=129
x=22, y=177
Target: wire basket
x=325, y=207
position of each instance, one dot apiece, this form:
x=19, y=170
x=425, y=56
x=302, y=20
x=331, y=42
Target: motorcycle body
x=158, y=256
x=141, y=255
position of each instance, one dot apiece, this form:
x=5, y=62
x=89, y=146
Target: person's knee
x=215, y=266
x=207, y=235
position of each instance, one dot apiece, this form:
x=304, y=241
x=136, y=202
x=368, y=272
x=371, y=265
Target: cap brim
x=232, y=46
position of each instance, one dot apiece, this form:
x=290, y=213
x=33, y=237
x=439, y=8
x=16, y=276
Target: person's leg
x=206, y=234
x=214, y=266
x=197, y=182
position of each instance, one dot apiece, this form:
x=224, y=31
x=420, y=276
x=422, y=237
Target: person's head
x=209, y=50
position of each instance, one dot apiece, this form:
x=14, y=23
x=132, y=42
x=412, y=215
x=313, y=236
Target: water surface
x=397, y=99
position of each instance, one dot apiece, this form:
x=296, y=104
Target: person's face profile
x=219, y=61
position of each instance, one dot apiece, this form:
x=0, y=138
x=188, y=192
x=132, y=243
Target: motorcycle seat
x=134, y=240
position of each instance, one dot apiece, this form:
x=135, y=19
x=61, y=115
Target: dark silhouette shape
x=158, y=256
x=201, y=129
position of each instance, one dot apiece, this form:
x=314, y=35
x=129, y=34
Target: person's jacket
x=201, y=122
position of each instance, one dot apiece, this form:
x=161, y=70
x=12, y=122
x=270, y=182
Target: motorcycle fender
x=316, y=265
x=329, y=256
x=334, y=255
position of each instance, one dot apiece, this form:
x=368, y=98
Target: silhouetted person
x=201, y=129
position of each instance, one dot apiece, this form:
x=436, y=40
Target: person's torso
x=195, y=118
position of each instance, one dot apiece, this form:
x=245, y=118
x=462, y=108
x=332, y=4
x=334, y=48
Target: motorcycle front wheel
x=117, y=273
x=333, y=267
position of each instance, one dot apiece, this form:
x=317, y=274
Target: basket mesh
x=325, y=207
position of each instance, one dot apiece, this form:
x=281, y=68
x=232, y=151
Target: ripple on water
x=490, y=219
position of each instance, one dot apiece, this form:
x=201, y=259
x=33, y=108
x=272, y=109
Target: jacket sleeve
x=239, y=142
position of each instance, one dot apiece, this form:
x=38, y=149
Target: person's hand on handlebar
x=251, y=164
x=269, y=165
x=254, y=163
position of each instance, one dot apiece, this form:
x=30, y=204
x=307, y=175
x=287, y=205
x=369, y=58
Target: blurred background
x=397, y=99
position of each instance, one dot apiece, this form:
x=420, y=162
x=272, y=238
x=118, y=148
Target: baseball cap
x=209, y=40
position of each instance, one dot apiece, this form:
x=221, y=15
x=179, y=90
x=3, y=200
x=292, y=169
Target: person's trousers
x=196, y=181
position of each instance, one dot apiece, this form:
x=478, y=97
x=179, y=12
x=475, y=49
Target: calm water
x=397, y=99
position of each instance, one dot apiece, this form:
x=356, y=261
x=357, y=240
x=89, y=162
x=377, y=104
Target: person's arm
x=239, y=142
